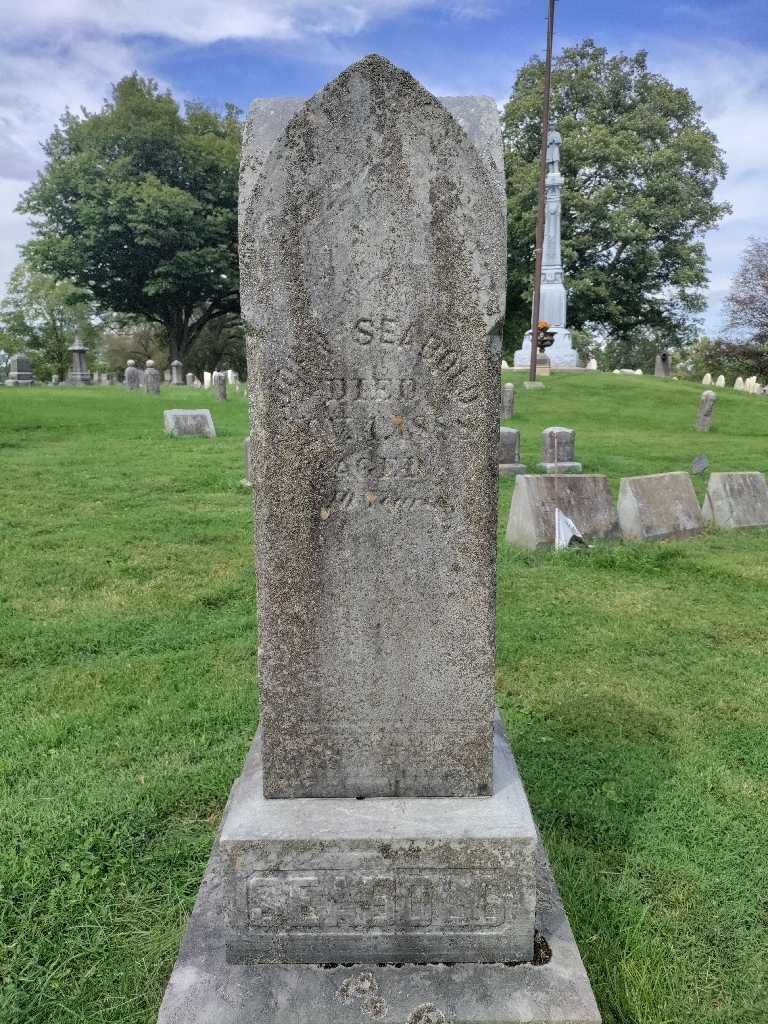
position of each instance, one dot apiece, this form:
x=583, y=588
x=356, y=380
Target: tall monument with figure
x=553, y=298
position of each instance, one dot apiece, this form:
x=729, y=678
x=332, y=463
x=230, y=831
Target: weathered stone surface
x=220, y=386
x=509, y=452
x=706, y=380
x=585, y=499
x=207, y=989
x=191, y=380
x=558, y=451
x=247, y=479
x=738, y=384
x=19, y=371
x=663, y=366
x=507, y=401
x=151, y=378
x=446, y=879
x=372, y=281
x=706, y=411
x=187, y=422
x=177, y=372
x=735, y=500
x=592, y=363
x=79, y=373
x=131, y=377
x=659, y=507
x=720, y=382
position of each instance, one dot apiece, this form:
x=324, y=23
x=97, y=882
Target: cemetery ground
x=631, y=677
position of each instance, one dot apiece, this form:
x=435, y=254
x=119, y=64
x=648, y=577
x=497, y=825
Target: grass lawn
x=632, y=679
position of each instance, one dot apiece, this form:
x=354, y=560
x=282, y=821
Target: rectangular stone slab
x=586, y=499
x=207, y=988
x=382, y=879
x=188, y=422
x=373, y=278
x=662, y=506
x=736, y=500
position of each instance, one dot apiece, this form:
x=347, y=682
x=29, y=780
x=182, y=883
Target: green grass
x=632, y=679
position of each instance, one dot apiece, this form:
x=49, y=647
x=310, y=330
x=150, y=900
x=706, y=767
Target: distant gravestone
x=131, y=375
x=558, y=451
x=188, y=422
x=151, y=378
x=166, y=376
x=584, y=499
x=19, y=371
x=706, y=411
x=720, y=382
x=706, y=380
x=220, y=386
x=177, y=372
x=509, y=452
x=207, y=378
x=738, y=384
x=191, y=380
x=507, y=401
x=662, y=506
x=700, y=465
x=592, y=364
x=735, y=500
x=79, y=372
x=663, y=367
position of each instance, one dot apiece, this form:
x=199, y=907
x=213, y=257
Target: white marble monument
x=553, y=297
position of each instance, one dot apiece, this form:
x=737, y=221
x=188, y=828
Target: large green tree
x=640, y=168
x=43, y=317
x=138, y=203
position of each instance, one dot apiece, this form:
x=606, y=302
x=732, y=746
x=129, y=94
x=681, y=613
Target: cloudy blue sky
x=58, y=53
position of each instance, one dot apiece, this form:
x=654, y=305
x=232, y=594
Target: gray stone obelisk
x=79, y=374
x=553, y=296
x=380, y=819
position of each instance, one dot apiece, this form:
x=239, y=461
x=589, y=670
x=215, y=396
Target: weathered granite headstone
x=592, y=363
x=20, y=373
x=166, y=376
x=706, y=411
x=188, y=422
x=659, y=507
x=706, y=380
x=509, y=452
x=372, y=282
x=207, y=377
x=735, y=500
x=720, y=382
x=507, y=401
x=151, y=378
x=131, y=377
x=558, y=451
x=663, y=366
x=220, y=386
x=191, y=380
x=79, y=374
x=177, y=372
x=585, y=499
x=738, y=384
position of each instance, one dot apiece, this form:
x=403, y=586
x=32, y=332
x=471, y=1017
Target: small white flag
x=566, y=533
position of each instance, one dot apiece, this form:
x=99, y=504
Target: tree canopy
x=43, y=317
x=138, y=204
x=747, y=301
x=640, y=169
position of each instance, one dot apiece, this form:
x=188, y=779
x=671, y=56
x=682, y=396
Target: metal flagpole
x=542, y=194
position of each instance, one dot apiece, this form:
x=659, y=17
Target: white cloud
x=730, y=81
x=200, y=21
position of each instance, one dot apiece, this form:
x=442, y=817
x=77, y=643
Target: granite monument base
x=512, y=469
x=223, y=976
x=560, y=467
x=562, y=355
